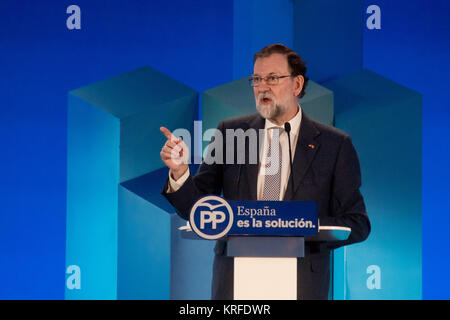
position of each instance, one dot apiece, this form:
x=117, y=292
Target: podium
x=265, y=267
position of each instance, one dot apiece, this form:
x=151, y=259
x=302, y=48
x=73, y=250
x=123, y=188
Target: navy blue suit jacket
x=326, y=170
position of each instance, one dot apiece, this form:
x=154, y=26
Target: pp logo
x=211, y=217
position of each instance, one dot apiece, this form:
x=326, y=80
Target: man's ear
x=299, y=81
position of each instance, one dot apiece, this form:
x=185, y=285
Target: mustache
x=264, y=95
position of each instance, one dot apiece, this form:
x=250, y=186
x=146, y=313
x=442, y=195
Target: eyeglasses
x=271, y=80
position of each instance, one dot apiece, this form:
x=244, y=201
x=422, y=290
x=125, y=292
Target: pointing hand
x=175, y=154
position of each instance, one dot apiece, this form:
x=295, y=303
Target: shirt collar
x=294, y=122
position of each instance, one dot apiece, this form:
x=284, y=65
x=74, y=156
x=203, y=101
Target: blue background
x=202, y=44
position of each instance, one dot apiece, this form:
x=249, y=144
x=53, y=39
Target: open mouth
x=266, y=100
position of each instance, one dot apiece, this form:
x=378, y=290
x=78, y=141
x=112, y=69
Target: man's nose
x=263, y=87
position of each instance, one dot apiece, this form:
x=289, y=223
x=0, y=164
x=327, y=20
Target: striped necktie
x=272, y=165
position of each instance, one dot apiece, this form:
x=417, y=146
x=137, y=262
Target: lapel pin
x=311, y=146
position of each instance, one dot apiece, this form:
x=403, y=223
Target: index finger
x=168, y=134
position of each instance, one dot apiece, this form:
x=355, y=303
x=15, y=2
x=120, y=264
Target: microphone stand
x=287, y=128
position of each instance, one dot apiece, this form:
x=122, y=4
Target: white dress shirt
x=285, y=166
x=174, y=185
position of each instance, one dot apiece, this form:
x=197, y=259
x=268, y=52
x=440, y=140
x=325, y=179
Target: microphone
x=287, y=128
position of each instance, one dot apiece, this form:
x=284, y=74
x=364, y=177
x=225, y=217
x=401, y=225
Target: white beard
x=270, y=110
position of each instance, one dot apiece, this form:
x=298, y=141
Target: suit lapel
x=305, y=151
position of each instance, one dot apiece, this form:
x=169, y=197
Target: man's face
x=273, y=101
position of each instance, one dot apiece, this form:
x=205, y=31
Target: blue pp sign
x=213, y=217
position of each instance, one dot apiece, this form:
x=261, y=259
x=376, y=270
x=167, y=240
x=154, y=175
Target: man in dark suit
x=325, y=169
